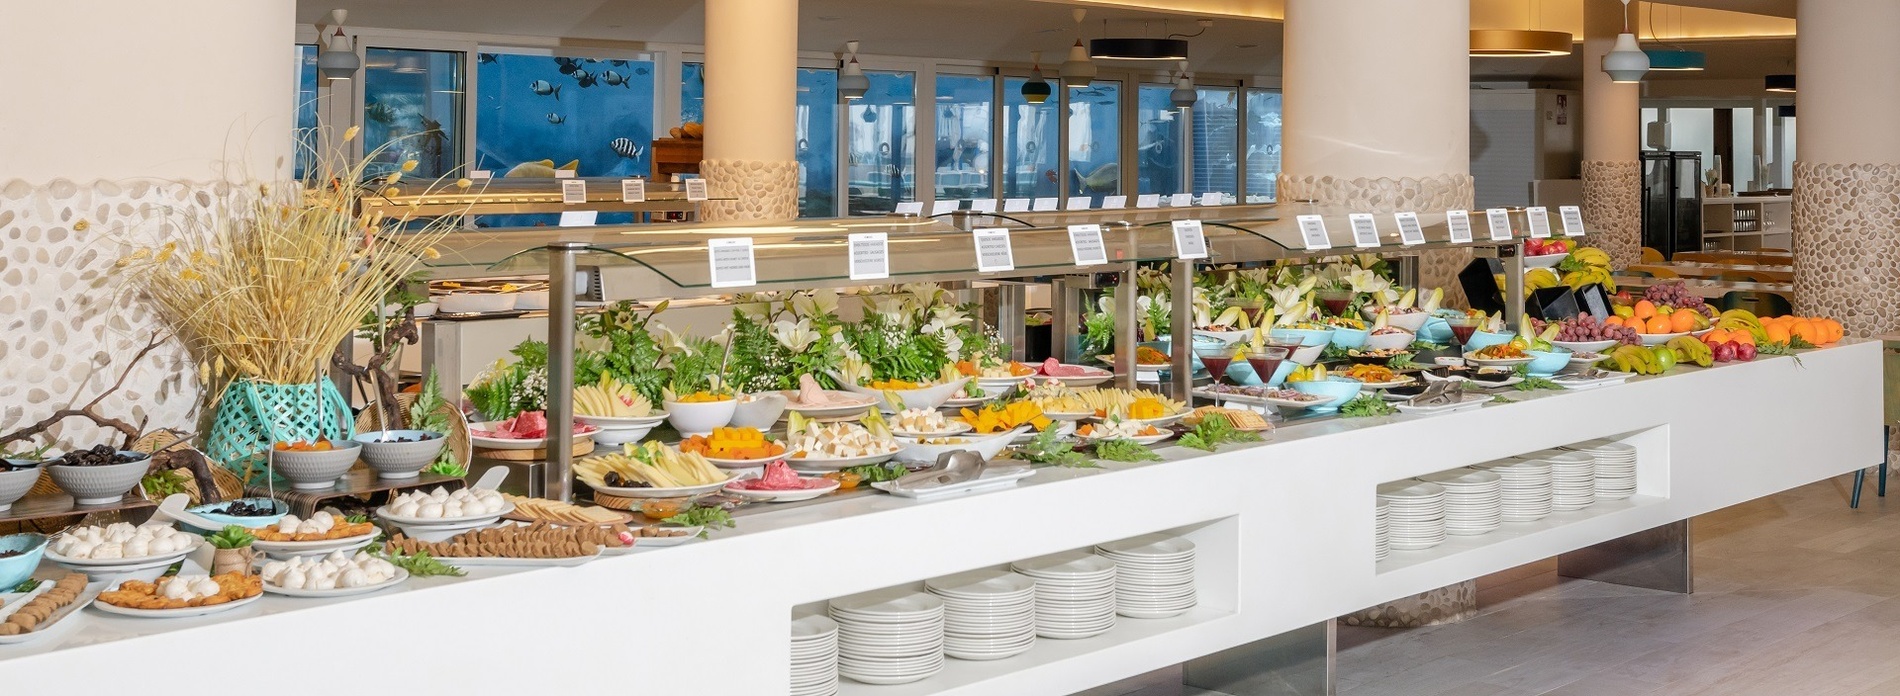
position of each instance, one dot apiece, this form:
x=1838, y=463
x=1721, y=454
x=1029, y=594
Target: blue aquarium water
x=535, y=114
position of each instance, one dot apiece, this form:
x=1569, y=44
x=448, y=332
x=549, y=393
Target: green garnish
x=1424, y=346
x=1332, y=352
x=1125, y=451
x=1400, y=362
x=159, y=484
x=1499, y=399
x=1211, y=433
x=709, y=516
x=356, y=519
x=1048, y=449
x=27, y=585
x=1535, y=383
x=877, y=473
x=1366, y=405
x=422, y=565
x=231, y=537
x=428, y=414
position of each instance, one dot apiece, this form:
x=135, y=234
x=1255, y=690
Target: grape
x=1674, y=294
x=1585, y=328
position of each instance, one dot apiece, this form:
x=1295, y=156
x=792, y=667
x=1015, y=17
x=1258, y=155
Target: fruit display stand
x=1284, y=531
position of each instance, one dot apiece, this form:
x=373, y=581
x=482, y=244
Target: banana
x=1691, y=349
x=1540, y=278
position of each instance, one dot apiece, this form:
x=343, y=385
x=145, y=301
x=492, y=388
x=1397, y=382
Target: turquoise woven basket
x=255, y=414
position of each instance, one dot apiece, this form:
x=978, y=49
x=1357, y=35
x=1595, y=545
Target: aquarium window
x=1216, y=119
x=306, y=106
x=1095, y=140
x=1158, y=141
x=412, y=111
x=882, y=141
x=1029, y=143
x=965, y=120
x=815, y=128
x=539, y=113
x=1263, y=144
x=692, y=93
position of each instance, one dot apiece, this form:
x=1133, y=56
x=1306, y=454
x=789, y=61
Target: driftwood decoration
x=90, y=411
x=378, y=370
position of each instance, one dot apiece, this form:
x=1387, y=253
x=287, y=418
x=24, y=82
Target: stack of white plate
x=1474, y=500
x=1075, y=593
x=1381, y=537
x=987, y=614
x=1527, y=494
x=1616, y=467
x=1573, y=478
x=1416, y=514
x=814, y=656
x=890, y=636
x=1154, y=575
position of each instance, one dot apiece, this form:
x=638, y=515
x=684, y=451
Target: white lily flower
x=1363, y=280
x=815, y=303
x=796, y=336
x=891, y=308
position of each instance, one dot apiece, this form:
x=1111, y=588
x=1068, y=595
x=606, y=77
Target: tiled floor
x=1795, y=595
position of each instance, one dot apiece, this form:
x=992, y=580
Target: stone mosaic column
x=1380, y=136
x=1847, y=171
x=1612, y=174
x=751, y=96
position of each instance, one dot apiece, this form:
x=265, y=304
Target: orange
x=1777, y=333
x=1681, y=322
x=1614, y=321
x=1716, y=336
x=1806, y=330
x=1657, y=325
x=1644, y=309
x=1742, y=337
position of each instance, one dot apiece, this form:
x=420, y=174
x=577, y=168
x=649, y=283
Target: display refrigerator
x=1672, y=201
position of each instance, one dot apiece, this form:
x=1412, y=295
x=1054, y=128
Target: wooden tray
x=583, y=446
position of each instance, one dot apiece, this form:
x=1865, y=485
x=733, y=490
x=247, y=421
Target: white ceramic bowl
x=700, y=418
x=15, y=484
x=1586, y=346
x=1544, y=260
x=98, y=485
x=471, y=302
x=1391, y=341
x=400, y=460
x=986, y=446
x=924, y=398
x=318, y=470
x=1307, y=355
x=758, y=410
x=531, y=299
x=1410, y=321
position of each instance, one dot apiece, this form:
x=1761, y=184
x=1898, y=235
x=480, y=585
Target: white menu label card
x=1500, y=223
x=480, y=174
x=944, y=207
x=1365, y=232
x=1189, y=242
x=1148, y=200
x=1210, y=199
x=579, y=218
x=1410, y=232
x=992, y=250
x=1079, y=203
x=1114, y=202
x=910, y=208
x=1573, y=220
x=870, y=255
x=1016, y=205
x=1313, y=231
x=633, y=190
x=1044, y=205
x=563, y=173
x=1181, y=200
x=1540, y=221
x=573, y=192
x=696, y=192
x=731, y=259
x=1086, y=242
x=983, y=205
x=1458, y=222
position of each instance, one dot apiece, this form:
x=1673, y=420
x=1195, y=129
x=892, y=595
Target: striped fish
x=626, y=148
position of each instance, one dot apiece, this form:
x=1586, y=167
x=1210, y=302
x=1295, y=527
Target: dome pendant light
x=1077, y=71
x=1778, y=83
x=337, y=60
x=1626, y=62
x=851, y=80
x=1184, y=96
x=1036, y=90
x=1519, y=43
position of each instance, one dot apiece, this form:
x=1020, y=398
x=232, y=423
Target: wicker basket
x=255, y=414
x=370, y=420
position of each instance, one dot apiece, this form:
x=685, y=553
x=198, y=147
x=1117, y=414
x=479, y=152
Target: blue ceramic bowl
x=1350, y=338
x=14, y=569
x=226, y=520
x=1485, y=339
x=1306, y=337
x=1241, y=372
x=1547, y=362
x=1436, y=330
x=1340, y=389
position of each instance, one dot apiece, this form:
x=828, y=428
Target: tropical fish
x=567, y=65
x=545, y=88
x=556, y=119
x=380, y=113
x=615, y=79
x=586, y=79
x=540, y=169
x=620, y=63
x=488, y=58
x=625, y=148
x=640, y=71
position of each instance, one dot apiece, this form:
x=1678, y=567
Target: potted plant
x=233, y=552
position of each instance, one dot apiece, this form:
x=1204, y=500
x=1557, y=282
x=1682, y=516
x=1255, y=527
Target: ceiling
x=1245, y=39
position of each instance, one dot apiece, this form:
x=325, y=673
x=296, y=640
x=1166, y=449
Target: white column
x=1847, y=168
x=1612, y=115
x=751, y=95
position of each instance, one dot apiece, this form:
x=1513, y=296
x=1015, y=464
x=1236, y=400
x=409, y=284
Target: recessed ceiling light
x=830, y=18
x=1246, y=45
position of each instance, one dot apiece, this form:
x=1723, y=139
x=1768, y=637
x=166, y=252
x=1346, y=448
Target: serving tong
x=1439, y=393
x=952, y=468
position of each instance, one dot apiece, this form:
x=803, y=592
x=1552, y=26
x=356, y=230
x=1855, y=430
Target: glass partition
x=1095, y=140
x=306, y=106
x=882, y=144
x=1216, y=118
x=1263, y=144
x=1029, y=143
x=816, y=129
x=1158, y=143
x=412, y=111
x=692, y=93
x=965, y=106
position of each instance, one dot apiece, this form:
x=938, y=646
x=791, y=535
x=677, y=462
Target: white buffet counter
x=1284, y=531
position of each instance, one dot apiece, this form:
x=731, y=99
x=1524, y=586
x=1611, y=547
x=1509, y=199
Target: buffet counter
x=1284, y=530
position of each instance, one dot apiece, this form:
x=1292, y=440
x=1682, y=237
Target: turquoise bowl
x=1436, y=330
x=1340, y=389
x=227, y=520
x=1485, y=339
x=1242, y=373
x=14, y=569
x=1349, y=338
x=1547, y=362
x=1306, y=337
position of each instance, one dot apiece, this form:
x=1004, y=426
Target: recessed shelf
x=1512, y=531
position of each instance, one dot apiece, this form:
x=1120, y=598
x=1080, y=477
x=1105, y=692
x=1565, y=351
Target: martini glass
x=1216, y=358
x=1462, y=326
x=1335, y=301
x=1266, y=361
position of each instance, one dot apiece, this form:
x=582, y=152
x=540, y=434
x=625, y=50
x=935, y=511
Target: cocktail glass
x=1216, y=358
x=1266, y=361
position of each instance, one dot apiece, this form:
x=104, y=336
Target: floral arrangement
x=695, y=364
x=914, y=334
x=774, y=341
x=508, y=388
x=619, y=341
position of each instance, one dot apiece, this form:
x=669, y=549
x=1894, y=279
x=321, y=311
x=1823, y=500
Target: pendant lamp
x=851, y=80
x=1626, y=62
x=338, y=60
x=1183, y=95
x=1077, y=71
x=1519, y=43
x=1036, y=90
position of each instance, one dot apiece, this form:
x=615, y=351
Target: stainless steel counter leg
x=1657, y=558
x=1181, y=331
x=1064, y=300
x=1301, y=662
x=558, y=477
x=1012, y=301
x=1127, y=328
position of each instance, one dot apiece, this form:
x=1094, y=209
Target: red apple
x=1724, y=352
x=1744, y=351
